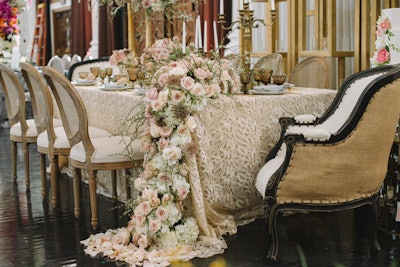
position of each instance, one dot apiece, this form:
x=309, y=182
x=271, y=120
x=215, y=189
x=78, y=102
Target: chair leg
x=114, y=184
x=53, y=178
x=26, y=161
x=372, y=226
x=271, y=219
x=14, y=160
x=43, y=174
x=93, y=199
x=77, y=191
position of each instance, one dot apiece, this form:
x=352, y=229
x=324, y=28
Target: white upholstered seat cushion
x=269, y=168
x=305, y=118
x=62, y=140
x=109, y=150
x=16, y=130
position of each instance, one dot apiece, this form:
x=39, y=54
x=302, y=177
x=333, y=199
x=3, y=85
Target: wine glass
x=257, y=76
x=245, y=79
x=132, y=74
x=109, y=72
x=103, y=75
x=95, y=71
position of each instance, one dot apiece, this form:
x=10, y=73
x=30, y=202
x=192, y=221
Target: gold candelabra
x=245, y=24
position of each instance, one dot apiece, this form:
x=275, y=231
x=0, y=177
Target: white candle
x=196, y=35
x=200, y=39
x=272, y=4
x=205, y=37
x=184, y=37
x=221, y=7
x=215, y=35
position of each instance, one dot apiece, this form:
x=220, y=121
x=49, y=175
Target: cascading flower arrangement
x=9, y=30
x=383, y=43
x=160, y=230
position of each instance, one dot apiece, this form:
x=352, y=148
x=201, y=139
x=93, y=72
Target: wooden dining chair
x=22, y=130
x=52, y=139
x=270, y=62
x=90, y=154
x=312, y=72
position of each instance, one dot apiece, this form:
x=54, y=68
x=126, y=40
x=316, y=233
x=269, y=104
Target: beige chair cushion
x=62, y=140
x=109, y=150
x=16, y=130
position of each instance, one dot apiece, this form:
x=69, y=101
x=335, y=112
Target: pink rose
x=385, y=25
x=382, y=56
x=182, y=193
x=187, y=82
x=157, y=105
x=163, y=79
x=162, y=143
x=165, y=131
x=177, y=96
x=142, y=241
x=152, y=93
x=140, y=220
x=198, y=89
x=161, y=213
x=200, y=73
x=142, y=209
x=164, y=177
x=154, y=226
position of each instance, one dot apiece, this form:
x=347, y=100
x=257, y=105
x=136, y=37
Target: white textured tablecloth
x=234, y=136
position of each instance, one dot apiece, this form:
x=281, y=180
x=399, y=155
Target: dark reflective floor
x=33, y=234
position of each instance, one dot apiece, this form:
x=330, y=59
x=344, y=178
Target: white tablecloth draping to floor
x=234, y=136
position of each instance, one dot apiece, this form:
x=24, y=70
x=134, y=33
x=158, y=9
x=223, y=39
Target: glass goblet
x=109, y=72
x=95, y=71
x=132, y=74
x=103, y=75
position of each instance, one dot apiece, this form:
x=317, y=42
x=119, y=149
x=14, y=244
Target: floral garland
x=9, y=30
x=383, y=43
x=159, y=231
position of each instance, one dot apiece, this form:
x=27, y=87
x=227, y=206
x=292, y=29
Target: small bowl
x=83, y=75
x=279, y=79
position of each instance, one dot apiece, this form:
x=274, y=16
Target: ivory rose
x=172, y=155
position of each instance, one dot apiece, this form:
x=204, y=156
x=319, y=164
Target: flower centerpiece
x=124, y=59
x=383, y=42
x=9, y=31
x=161, y=229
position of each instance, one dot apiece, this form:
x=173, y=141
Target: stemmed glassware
x=95, y=71
x=103, y=75
x=109, y=72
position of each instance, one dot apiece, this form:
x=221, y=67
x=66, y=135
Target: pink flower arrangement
x=383, y=43
x=123, y=57
x=180, y=85
x=9, y=31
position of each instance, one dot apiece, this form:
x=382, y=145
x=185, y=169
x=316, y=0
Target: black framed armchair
x=336, y=162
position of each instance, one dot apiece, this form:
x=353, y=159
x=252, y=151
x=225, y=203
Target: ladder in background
x=38, y=53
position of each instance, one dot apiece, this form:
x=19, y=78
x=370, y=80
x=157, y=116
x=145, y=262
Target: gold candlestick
x=245, y=24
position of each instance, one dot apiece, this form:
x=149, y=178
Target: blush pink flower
x=152, y=93
x=382, y=56
x=385, y=25
x=165, y=131
x=187, y=82
x=161, y=213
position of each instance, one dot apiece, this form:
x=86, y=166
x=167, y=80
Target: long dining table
x=233, y=135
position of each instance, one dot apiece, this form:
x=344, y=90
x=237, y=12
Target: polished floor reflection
x=33, y=234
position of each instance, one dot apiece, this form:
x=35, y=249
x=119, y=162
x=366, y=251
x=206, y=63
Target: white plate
x=269, y=88
x=114, y=87
x=254, y=92
x=84, y=83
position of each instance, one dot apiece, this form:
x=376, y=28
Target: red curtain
x=81, y=27
x=209, y=11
